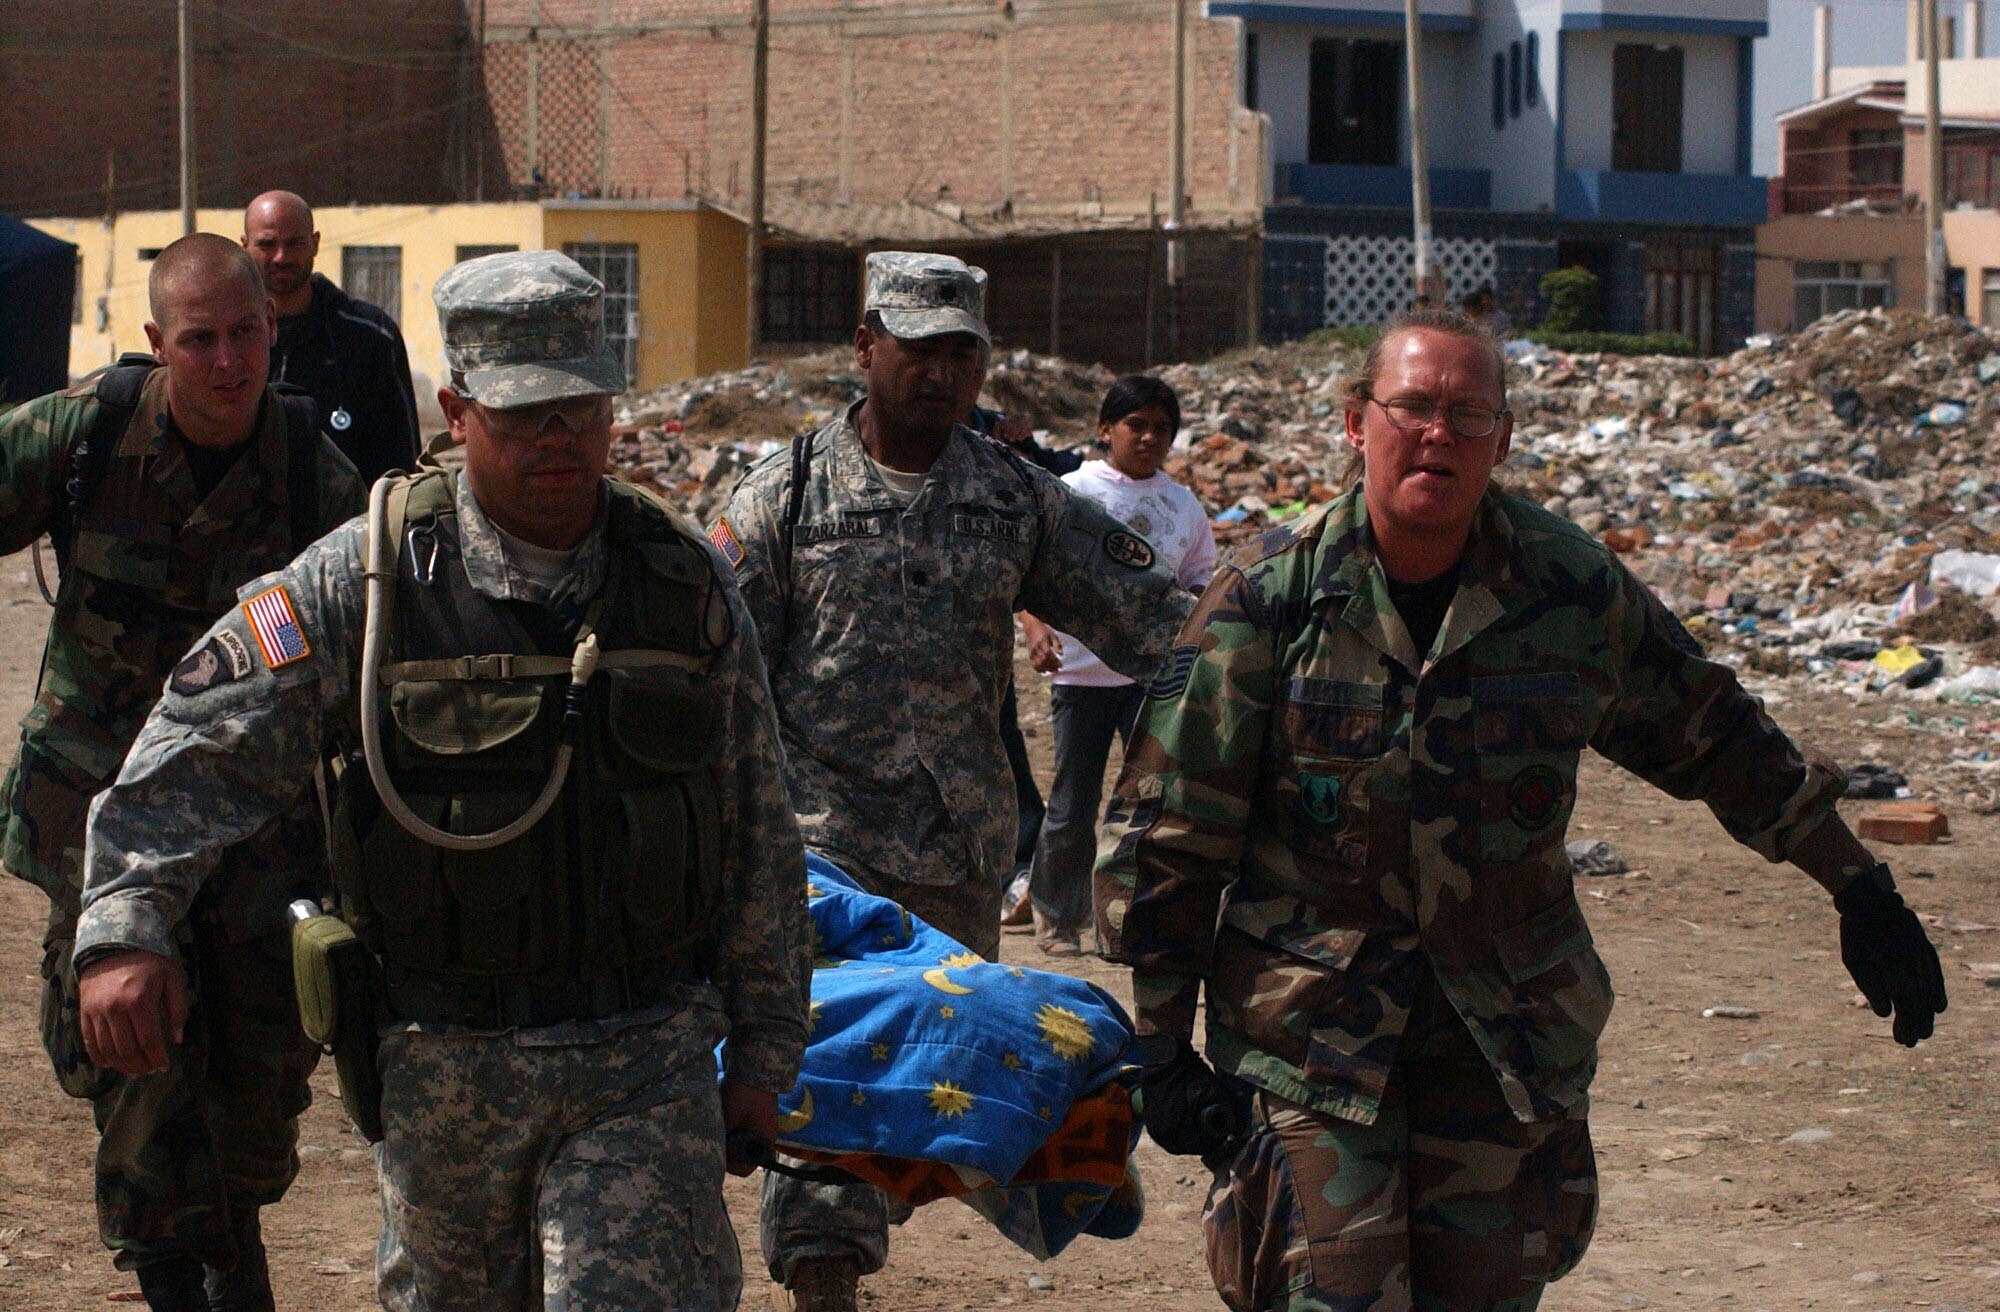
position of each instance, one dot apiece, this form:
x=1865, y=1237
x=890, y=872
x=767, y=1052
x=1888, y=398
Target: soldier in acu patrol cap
x=1342, y=816
x=165, y=483
x=564, y=839
x=883, y=559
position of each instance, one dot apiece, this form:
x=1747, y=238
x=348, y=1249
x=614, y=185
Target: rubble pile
x=1824, y=505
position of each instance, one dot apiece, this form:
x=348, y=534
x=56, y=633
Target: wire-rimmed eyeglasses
x=1413, y=414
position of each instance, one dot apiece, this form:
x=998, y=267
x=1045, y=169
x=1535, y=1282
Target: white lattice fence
x=1368, y=277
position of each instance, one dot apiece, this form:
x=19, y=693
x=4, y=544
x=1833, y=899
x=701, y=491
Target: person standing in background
x=346, y=353
x=1090, y=702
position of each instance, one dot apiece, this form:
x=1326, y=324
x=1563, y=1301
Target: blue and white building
x=1614, y=134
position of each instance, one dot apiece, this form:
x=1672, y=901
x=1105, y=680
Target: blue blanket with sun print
x=1002, y=1078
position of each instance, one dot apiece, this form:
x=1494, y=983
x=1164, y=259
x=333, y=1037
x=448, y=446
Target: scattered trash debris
x=1905, y=822
x=1730, y=1013
x=1853, y=501
x=1595, y=857
x=1875, y=781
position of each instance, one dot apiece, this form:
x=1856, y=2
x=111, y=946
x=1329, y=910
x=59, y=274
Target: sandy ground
x=1712, y=1195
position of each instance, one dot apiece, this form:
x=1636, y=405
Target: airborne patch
x=724, y=538
x=224, y=658
x=1128, y=549
x=1534, y=796
x=1172, y=679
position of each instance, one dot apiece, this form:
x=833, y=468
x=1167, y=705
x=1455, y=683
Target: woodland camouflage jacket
x=152, y=564
x=1310, y=812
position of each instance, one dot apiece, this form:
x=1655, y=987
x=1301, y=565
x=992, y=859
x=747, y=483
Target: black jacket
x=350, y=357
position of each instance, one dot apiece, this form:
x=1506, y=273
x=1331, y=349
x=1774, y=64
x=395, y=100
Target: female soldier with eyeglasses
x=1343, y=813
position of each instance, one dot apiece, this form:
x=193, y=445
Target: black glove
x=1190, y=1109
x=1884, y=947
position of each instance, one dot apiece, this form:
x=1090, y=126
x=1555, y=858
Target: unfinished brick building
x=351, y=103
x=1030, y=137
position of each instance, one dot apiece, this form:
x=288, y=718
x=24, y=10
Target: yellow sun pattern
x=948, y=1100
x=960, y=960
x=1065, y=1031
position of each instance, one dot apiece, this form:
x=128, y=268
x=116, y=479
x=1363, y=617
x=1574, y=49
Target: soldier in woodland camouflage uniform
x=553, y=1131
x=1343, y=813
x=186, y=500
x=886, y=601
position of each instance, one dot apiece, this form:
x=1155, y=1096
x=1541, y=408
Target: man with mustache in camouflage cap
x=883, y=559
x=564, y=844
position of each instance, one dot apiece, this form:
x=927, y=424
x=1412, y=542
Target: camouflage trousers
x=800, y=1219
x=179, y=1153
x=557, y=1177
x=1446, y=1203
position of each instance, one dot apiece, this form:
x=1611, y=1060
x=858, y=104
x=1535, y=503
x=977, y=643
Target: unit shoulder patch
x=1128, y=549
x=224, y=658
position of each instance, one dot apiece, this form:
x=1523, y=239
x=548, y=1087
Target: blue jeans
x=1085, y=720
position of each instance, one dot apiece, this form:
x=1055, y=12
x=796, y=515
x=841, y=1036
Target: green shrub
x=1573, y=295
x=1615, y=343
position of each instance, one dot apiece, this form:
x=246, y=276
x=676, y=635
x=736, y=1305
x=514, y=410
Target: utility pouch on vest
x=338, y=991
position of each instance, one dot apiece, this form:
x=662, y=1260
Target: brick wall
x=1040, y=110
x=354, y=102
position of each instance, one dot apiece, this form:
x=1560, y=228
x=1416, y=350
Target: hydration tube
x=381, y=577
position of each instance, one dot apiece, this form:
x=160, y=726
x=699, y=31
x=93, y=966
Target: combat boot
x=825, y=1284
x=246, y=1287
x=173, y=1285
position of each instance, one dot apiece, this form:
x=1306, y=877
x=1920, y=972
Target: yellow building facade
x=674, y=273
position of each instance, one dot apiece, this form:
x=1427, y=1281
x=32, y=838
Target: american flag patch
x=277, y=627
x=724, y=538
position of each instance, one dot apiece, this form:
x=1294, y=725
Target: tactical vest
x=618, y=881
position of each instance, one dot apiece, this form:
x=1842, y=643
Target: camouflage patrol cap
x=524, y=327
x=922, y=295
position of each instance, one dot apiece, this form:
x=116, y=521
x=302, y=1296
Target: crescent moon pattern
x=793, y=1122
x=938, y=978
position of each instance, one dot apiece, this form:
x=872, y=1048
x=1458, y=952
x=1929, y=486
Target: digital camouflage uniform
x=1332, y=834
x=553, y=1139
x=153, y=562
x=891, y=648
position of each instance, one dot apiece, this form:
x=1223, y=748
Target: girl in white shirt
x=1090, y=702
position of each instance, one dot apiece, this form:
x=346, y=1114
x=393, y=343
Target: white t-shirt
x=1171, y=520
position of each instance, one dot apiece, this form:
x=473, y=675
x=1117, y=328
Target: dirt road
x=1797, y=1159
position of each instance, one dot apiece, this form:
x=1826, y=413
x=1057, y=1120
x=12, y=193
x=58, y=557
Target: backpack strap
x=301, y=464
x=795, y=499
x=117, y=394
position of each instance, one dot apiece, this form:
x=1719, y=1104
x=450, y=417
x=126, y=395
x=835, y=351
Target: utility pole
x=1420, y=164
x=1934, y=263
x=760, y=67
x=187, y=120
x=1177, y=181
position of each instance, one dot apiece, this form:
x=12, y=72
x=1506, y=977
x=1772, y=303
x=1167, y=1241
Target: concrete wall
x=691, y=289
x=1522, y=155
x=690, y=269
x=1972, y=243
x=1709, y=73
x=1785, y=240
